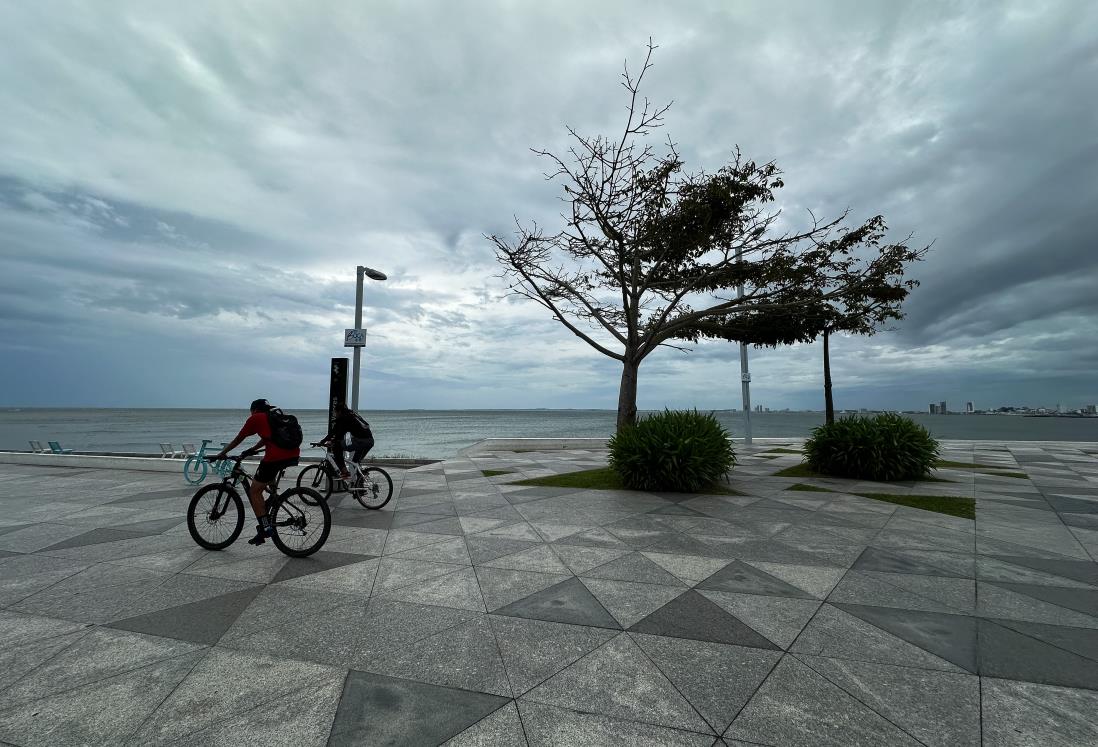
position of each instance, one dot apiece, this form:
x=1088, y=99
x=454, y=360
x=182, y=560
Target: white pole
x=358, y=351
x=745, y=375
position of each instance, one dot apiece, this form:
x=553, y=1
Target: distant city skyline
x=186, y=189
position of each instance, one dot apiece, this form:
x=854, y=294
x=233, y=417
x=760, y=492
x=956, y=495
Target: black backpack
x=285, y=430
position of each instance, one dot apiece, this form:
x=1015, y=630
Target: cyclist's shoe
x=261, y=534
x=344, y=475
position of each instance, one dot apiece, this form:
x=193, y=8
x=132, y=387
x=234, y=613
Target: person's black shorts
x=268, y=471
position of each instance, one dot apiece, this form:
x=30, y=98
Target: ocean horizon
x=439, y=434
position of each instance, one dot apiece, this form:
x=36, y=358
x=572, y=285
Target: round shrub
x=884, y=447
x=681, y=451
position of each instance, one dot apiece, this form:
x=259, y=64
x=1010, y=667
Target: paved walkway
x=472, y=612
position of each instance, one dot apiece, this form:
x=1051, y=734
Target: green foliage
x=885, y=447
x=495, y=472
x=682, y=451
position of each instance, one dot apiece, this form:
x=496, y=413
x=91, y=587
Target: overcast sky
x=186, y=188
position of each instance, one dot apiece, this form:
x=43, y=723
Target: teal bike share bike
x=198, y=465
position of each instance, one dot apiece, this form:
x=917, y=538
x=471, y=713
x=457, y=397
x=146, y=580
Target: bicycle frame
x=237, y=476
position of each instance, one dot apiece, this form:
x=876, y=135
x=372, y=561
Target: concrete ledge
x=143, y=463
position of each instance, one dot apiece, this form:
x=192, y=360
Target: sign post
x=338, y=389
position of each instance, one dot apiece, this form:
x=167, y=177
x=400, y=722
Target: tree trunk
x=627, y=395
x=829, y=404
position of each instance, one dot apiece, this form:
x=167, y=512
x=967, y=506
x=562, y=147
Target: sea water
x=437, y=434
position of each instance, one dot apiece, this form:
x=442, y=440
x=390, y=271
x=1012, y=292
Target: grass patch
x=950, y=464
x=495, y=472
x=803, y=470
x=602, y=478
x=798, y=470
x=965, y=508
x=783, y=451
x=809, y=488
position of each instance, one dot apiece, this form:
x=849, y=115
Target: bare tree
x=648, y=254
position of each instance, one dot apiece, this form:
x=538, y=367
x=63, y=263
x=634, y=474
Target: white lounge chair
x=189, y=450
x=37, y=447
x=169, y=452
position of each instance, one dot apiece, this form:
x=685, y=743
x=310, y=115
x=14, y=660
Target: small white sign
x=354, y=338
x=745, y=377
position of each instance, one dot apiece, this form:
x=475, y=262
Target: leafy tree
x=863, y=309
x=648, y=252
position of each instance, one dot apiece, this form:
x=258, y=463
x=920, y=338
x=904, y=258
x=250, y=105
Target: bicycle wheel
x=372, y=487
x=317, y=478
x=301, y=522
x=215, y=517
x=194, y=470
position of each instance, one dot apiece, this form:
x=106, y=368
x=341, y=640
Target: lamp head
x=373, y=274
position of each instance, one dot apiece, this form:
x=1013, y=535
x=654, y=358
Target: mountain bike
x=370, y=486
x=299, y=516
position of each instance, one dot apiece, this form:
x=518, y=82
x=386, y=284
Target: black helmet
x=260, y=405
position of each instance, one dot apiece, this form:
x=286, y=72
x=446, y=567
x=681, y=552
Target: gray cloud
x=185, y=191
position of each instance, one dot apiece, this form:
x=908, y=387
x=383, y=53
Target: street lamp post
x=745, y=373
x=373, y=275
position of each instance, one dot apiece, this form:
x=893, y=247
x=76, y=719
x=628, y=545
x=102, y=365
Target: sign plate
x=745, y=377
x=354, y=338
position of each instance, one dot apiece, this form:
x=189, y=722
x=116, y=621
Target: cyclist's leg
x=337, y=454
x=362, y=448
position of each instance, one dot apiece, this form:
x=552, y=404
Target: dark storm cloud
x=188, y=184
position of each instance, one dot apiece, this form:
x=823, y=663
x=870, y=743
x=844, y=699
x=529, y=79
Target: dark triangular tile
x=12, y=528
x=741, y=578
x=693, y=616
x=951, y=637
x=204, y=621
x=1082, y=641
x=317, y=562
x=566, y=602
x=376, y=709
x=1080, y=600
x=405, y=519
x=1065, y=504
x=1007, y=654
x=153, y=526
x=1076, y=570
x=875, y=559
x=96, y=537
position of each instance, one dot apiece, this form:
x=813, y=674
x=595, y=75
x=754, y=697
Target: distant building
x=1092, y=409
x=969, y=408
x=933, y=409
x=942, y=409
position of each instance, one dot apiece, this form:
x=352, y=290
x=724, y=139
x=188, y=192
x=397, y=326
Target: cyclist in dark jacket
x=348, y=421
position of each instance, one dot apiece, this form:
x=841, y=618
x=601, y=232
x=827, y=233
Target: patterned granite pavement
x=473, y=612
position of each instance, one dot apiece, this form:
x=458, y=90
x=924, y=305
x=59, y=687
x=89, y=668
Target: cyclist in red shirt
x=275, y=459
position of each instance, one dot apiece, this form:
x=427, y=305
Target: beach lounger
x=169, y=452
x=55, y=447
x=188, y=450
x=37, y=447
